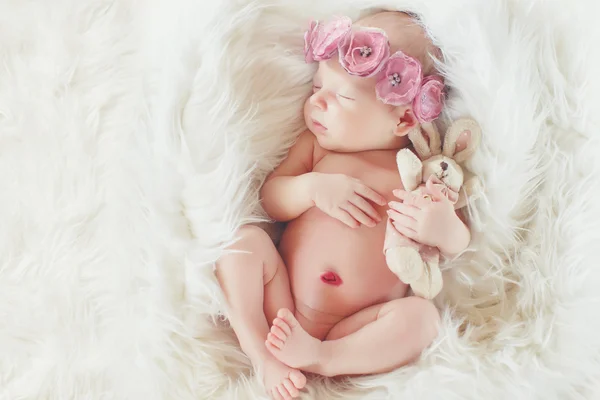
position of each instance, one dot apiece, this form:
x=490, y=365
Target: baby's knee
x=431, y=316
x=419, y=318
x=249, y=239
x=253, y=248
x=250, y=236
x=427, y=320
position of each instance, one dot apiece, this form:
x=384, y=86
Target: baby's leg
x=256, y=285
x=394, y=334
x=354, y=322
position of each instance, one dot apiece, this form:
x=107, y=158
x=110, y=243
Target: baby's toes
x=287, y=317
x=275, y=341
x=291, y=388
x=277, y=331
x=284, y=392
x=281, y=324
x=275, y=395
x=298, y=379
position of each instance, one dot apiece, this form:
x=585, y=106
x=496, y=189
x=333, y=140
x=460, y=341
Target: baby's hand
x=346, y=199
x=432, y=222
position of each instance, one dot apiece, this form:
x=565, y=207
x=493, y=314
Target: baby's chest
x=380, y=174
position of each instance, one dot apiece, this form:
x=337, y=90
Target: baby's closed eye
x=344, y=97
x=316, y=88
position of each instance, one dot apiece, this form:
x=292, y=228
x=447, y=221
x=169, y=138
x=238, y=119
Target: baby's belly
x=335, y=271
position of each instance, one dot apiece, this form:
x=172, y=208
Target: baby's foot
x=281, y=382
x=292, y=345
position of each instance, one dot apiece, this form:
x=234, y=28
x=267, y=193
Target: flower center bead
x=395, y=79
x=365, y=51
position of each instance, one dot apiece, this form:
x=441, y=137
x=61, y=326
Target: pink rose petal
x=429, y=101
x=364, y=52
x=309, y=38
x=328, y=35
x=400, y=80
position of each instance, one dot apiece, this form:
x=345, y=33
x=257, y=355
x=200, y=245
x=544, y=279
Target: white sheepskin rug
x=133, y=136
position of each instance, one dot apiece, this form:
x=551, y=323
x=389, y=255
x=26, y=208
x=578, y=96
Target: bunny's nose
x=444, y=165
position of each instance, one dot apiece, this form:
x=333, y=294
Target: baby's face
x=344, y=113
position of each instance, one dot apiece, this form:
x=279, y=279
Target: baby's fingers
x=370, y=194
x=345, y=217
x=358, y=215
x=366, y=207
x=400, y=219
x=409, y=233
x=405, y=209
x=401, y=194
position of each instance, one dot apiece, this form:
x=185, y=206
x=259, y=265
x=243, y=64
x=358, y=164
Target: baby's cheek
x=306, y=111
x=355, y=121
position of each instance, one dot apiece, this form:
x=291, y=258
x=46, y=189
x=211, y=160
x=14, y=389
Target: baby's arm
x=458, y=238
x=285, y=194
x=294, y=187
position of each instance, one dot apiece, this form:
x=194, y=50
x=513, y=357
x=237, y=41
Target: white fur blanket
x=133, y=136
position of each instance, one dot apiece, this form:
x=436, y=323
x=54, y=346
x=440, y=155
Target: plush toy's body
x=434, y=168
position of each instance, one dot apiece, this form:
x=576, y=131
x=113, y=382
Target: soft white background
x=133, y=135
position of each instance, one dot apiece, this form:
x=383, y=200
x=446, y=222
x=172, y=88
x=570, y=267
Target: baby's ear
x=406, y=121
x=462, y=139
x=426, y=140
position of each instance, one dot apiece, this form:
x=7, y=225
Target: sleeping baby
x=324, y=301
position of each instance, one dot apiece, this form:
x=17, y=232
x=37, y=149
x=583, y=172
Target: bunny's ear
x=462, y=139
x=426, y=140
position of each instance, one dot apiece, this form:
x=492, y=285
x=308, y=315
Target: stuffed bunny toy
x=416, y=264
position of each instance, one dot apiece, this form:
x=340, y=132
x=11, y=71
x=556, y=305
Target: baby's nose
x=318, y=100
x=444, y=165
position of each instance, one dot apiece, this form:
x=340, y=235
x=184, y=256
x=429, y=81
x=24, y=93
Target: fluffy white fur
x=133, y=136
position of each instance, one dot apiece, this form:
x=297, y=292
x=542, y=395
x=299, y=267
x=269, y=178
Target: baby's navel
x=331, y=278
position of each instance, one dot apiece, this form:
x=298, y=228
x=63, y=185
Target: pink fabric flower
x=430, y=99
x=400, y=81
x=321, y=40
x=364, y=51
x=309, y=38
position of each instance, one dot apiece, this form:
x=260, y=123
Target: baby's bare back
x=336, y=270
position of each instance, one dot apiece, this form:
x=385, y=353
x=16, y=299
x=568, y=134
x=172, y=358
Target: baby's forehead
x=332, y=71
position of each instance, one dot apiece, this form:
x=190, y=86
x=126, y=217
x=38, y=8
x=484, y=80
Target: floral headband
x=366, y=52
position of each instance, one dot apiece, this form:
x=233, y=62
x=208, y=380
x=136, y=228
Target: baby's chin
x=330, y=144
x=324, y=141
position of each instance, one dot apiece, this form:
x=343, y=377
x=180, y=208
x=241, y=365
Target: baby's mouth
x=331, y=278
x=318, y=124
